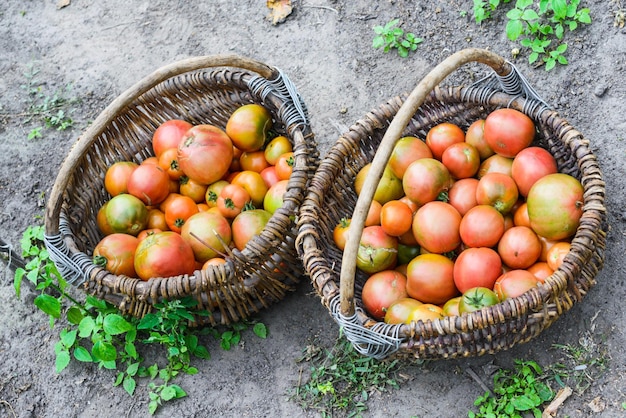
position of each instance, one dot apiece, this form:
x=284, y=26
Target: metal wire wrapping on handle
x=75, y=269
x=377, y=342
x=514, y=84
x=283, y=87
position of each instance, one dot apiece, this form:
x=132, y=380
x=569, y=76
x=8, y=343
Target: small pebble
x=600, y=90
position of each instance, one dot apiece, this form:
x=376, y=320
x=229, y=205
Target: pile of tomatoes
x=463, y=220
x=205, y=191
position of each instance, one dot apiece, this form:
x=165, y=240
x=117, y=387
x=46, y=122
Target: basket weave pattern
x=331, y=197
x=205, y=90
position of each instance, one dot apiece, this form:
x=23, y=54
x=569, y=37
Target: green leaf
x=168, y=393
x=150, y=321
x=202, y=352
x=68, y=338
x=129, y=385
x=119, y=379
x=62, y=360
x=115, y=324
x=74, y=315
x=50, y=305
x=514, y=14
x=82, y=354
x=260, y=330
x=584, y=17
x=191, y=370
x=533, y=57
x=131, y=350
x=17, y=281
x=523, y=403
x=378, y=42
x=180, y=393
x=529, y=14
x=86, y=327
x=152, y=407
x=132, y=369
x=104, y=351
x=514, y=28
x=95, y=302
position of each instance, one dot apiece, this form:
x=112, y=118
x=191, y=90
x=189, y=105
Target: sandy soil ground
x=102, y=48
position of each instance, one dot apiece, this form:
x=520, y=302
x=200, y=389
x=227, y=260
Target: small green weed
x=540, y=28
x=515, y=392
x=53, y=111
x=582, y=364
x=482, y=9
x=391, y=37
x=342, y=380
x=97, y=333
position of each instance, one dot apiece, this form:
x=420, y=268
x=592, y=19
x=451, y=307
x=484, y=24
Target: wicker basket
x=199, y=90
x=331, y=196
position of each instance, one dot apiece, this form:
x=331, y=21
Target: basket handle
x=383, y=153
x=55, y=201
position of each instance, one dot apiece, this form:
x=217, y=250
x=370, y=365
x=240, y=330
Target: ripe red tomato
x=461, y=159
x=482, y=226
x=557, y=253
x=396, y=218
x=381, y=290
x=462, y=194
x=168, y=161
x=248, y=127
x=477, y=267
x=389, y=187
x=156, y=220
x=168, y=135
x=430, y=279
x=277, y=147
x=425, y=179
x=127, y=214
x=269, y=176
x=377, y=250
x=208, y=234
x=497, y=190
x=284, y=165
x=373, y=214
x=405, y=151
x=178, y=210
x=117, y=175
x=164, y=254
x=443, y=135
x=116, y=253
x=520, y=215
x=555, y=206
x=508, y=131
x=253, y=161
x=514, y=283
x=247, y=225
x=273, y=199
x=205, y=153
x=474, y=135
x=519, y=247
x=340, y=233
x=495, y=164
x=477, y=298
x=399, y=311
x=149, y=183
x=436, y=227
x=254, y=185
x=232, y=200
x=531, y=164
x=540, y=270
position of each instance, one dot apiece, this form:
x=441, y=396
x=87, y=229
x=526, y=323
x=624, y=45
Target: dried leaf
x=279, y=10
x=597, y=405
x=63, y=3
